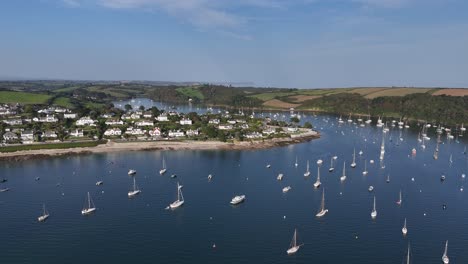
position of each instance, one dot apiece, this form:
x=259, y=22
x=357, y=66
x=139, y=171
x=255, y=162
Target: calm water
x=258, y=231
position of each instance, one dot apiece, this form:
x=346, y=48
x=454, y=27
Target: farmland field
x=23, y=97
x=452, y=92
x=397, y=92
x=279, y=104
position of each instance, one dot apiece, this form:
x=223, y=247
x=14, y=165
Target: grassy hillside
x=23, y=97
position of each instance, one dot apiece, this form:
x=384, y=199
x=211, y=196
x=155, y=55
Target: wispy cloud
x=383, y=3
x=72, y=3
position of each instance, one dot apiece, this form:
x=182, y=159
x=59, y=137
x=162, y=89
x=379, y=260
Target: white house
x=269, y=131
x=13, y=122
x=46, y=119
x=147, y=114
x=7, y=112
x=214, y=121
x=69, y=115
x=185, y=121
x=232, y=122
x=60, y=110
x=114, y=122
x=162, y=117
x=10, y=136
x=191, y=133
x=108, y=115
x=144, y=123
x=50, y=134
x=176, y=134
x=253, y=135
x=77, y=133
x=225, y=127
x=292, y=129
x=27, y=136
x=85, y=120
x=155, y=132
x=113, y=132
x=136, y=115
x=244, y=126
x=135, y=131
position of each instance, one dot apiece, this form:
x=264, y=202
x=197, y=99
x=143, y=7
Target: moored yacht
x=237, y=199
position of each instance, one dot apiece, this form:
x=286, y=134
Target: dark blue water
x=257, y=231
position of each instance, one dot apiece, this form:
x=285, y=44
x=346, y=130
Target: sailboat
x=89, y=207
x=343, y=177
x=307, y=173
x=374, y=211
x=163, y=170
x=131, y=172
x=296, y=164
x=44, y=215
x=135, y=190
x=331, y=165
x=340, y=120
x=349, y=119
x=180, y=198
x=399, y=200
x=365, y=168
x=445, y=258
x=322, y=211
x=388, y=178
x=293, y=247
x=353, y=164
x=451, y=160
x=317, y=183
x=404, y=230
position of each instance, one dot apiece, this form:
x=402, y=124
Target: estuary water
x=256, y=231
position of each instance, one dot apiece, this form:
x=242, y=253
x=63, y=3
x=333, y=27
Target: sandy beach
x=112, y=146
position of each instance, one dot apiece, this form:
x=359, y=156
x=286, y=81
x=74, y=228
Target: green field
x=52, y=146
x=63, y=102
x=23, y=97
x=191, y=92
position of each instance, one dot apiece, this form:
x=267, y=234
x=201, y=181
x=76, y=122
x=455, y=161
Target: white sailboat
x=280, y=177
x=44, y=215
x=317, y=182
x=296, y=164
x=131, y=172
x=404, y=230
x=331, y=165
x=286, y=189
x=322, y=211
x=164, y=169
x=340, y=120
x=365, y=168
x=89, y=207
x=343, y=177
x=374, y=211
x=135, y=190
x=293, y=247
x=307, y=173
x=180, y=198
x=353, y=164
x=399, y=200
x=445, y=258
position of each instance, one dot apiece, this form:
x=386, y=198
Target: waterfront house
x=254, y=135
x=269, y=131
x=293, y=129
x=113, y=132
x=49, y=134
x=135, y=131
x=10, y=137
x=135, y=115
x=27, y=136
x=45, y=119
x=177, y=133
x=77, y=133
x=155, y=132
x=147, y=114
x=192, y=132
x=13, y=122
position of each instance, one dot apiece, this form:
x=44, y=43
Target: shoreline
x=112, y=147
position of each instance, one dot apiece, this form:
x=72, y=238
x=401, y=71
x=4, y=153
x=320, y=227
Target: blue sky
x=295, y=43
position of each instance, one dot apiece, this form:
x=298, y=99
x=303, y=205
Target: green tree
x=308, y=125
x=142, y=108
x=128, y=107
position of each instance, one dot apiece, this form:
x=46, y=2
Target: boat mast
x=89, y=201
x=344, y=167
x=323, y=200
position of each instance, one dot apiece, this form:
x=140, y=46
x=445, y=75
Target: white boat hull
x=238, y=200
x=307, y=174
x=292, y=250
x=374, y=214
x=342, y=178
x=133, y=193
x=162, y=171
x=176, y=204
x=42, y=218
x=317, y=184
x=88, y=211
x=322, y=213
x=404, y=231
